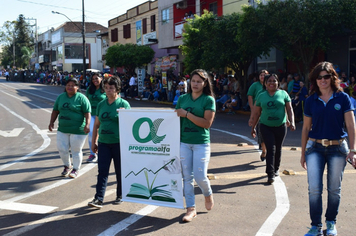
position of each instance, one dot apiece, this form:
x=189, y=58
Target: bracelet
x=186, y=115
x=353, y=150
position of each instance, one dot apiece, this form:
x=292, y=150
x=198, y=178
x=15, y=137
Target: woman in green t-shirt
x=95, y=93
x=106, y=126
x=252, y=93
x=73, y=111
x=270, y=110
x=197, y=110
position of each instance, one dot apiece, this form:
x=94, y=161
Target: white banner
x=150, y=164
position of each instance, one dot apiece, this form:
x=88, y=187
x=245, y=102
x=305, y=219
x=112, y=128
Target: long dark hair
x=329, y=68
x=208, y=88
x=92, y=87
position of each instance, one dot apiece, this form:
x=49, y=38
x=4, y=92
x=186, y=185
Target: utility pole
x=84, y=48
x=13, y=49
x=36, y=37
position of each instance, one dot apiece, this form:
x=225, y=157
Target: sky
x=98, y=11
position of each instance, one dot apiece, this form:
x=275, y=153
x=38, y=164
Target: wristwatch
x=353, y=150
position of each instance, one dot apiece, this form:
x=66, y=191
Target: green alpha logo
x=153, y=130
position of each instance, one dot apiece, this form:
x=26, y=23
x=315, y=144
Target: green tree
x=234, y=41
x=129, y=56
x=16, y=34
x=302, y=28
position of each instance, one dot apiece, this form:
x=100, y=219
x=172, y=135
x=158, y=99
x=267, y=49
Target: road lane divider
x=281, y=194
x=45, y=144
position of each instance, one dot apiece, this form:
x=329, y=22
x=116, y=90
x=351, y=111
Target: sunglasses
x=323, y=76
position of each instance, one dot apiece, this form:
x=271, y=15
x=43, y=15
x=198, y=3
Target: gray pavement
x=244, y=203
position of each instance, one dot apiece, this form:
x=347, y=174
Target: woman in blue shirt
x=326, y=112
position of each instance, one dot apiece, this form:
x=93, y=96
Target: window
x=144, y=26
x=114, y=35
x=153, y=23
x=127, y=31
x=75, y=51
x=54, y=57
x=213, y=7
x=165, y=16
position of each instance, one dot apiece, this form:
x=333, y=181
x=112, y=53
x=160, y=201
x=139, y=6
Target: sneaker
x=331, y=228
x=92, y=158
x=270, y=179
x=96, y=203
x=66, y=171
x=73, y=174
x=118, y=201
x=314, y=231
x=276, y=173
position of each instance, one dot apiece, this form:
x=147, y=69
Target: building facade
x=137, y=26
x=61, y=49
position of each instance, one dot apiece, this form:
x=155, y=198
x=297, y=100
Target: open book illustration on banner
x=155, y=193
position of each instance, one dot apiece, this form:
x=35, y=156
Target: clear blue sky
x=99, y=11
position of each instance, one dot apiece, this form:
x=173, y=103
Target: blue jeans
x=316, y=157
x=106, y=152
x=195, y=159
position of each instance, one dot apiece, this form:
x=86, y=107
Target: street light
x=83, y=34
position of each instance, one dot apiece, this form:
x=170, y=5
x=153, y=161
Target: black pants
x=273, y=138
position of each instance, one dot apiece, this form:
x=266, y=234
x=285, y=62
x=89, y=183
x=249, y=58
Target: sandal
x=263, y=156
x=191, y=213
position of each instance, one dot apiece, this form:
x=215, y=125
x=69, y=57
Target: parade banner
x=150, y=165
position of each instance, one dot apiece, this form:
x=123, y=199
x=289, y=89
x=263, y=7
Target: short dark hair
x=267, y=77
x=113, y=80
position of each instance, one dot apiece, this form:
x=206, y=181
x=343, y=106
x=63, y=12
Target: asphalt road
x=35, y=200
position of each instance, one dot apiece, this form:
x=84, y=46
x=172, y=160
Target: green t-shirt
x=109, y=122
x=273, y=107
x=71, y=112
x=254, y=90
x=94, y=99
x=189, y=132
x=290, y=86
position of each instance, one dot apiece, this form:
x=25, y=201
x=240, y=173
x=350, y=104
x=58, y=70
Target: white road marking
x=24, y=207
x=33, y=94
x=45, y=144
x=13, y=133
x=117, y=228
x=26, y=102
x=53, y=217
x=82, y=171
x=46, y=131
x=282, y=206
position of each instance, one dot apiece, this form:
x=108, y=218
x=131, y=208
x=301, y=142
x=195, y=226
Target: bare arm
x=94, y=146
x=87, y=122
x=350, y=126
x=54, y=116
x=307, y=124
x=255, y=116
x=204, y=122
x=290, y=115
